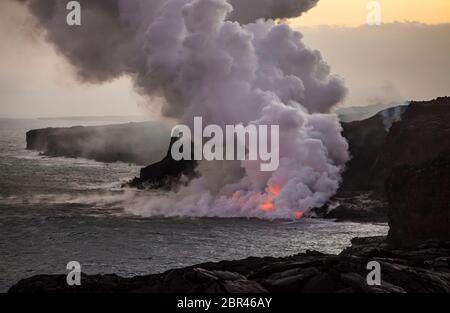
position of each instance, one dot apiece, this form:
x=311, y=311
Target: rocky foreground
x=424, y=268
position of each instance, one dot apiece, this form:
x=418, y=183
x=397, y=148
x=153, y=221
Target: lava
x=272, y=192
x=298, y=215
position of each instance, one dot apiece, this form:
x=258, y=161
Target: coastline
x=421, y=268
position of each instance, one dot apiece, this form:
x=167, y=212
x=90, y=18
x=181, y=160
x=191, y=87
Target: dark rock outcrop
x=355, y=206
x=417, y=167
x=139, y=143
x=419, y=269
x=361, y=196
x=397, y=137
x=419, y=197
x=422, y=134
x=367, y=140
x=165, y=173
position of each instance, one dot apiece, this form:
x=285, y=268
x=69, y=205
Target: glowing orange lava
x=273, y=192
x=267, y=205
x=298, y=215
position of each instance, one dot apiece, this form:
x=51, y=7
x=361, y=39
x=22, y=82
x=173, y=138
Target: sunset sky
x=385, y=64
x=354, y=12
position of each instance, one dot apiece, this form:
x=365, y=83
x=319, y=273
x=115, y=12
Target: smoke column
x=230, y=63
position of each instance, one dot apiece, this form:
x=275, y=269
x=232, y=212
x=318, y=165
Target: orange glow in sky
x=354, y=12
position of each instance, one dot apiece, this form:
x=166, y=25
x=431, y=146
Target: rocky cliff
x=382, y=147
x=417, y=168
x=165, y=173
x=419, y=198
x=139, y=143
x=367, y=139
x=422, y=134
x=361, y=196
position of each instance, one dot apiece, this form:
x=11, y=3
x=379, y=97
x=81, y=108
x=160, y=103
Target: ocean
x=52, y=212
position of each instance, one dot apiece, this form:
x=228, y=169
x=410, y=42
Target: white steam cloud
x=216, y=59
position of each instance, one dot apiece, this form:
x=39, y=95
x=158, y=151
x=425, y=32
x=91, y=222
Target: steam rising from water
x=206, y=59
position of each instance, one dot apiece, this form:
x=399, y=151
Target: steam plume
x=225, y=65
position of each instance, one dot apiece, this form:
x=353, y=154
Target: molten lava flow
x=272, y=192
x=298, y=215
x=267, y=205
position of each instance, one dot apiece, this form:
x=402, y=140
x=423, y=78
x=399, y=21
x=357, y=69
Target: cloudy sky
x=405, y=58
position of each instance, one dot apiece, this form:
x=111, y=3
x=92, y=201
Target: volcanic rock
x=400, y=136
x=139, y=143
x=361, y=206
x=419, y=197
x=417, y=167
x=165, y=173
x=367, y=140
x=422, y=134
x=418, y=269
x=361, y=196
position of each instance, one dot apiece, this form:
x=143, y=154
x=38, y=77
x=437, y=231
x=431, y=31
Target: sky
x=404, y=58
x=387, y=64
x=354, y=12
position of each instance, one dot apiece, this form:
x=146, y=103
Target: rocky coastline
x=380, y=146
x=411, y=179
x=139, y=143
x=423, y=268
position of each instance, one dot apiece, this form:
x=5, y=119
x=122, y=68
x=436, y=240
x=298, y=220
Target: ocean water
x=52, y=212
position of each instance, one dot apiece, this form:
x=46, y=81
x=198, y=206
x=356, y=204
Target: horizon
x=352, y=13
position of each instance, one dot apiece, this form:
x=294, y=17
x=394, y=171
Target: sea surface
x=51, y=213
